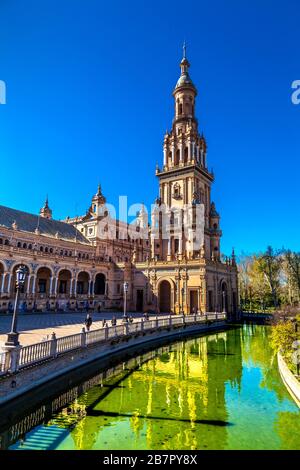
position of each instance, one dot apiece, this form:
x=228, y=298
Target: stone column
x=173, y=153
x=71, y=286
x=55, y=286
x=181, y=153
x=50, y=287
x=90, y=287
x=33, y=284
x=169, y=249
x=9, y=282
x=3, y=282
x=165, y=156
x=28, y=284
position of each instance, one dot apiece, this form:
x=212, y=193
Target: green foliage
x=270, y=281
x=282, y=337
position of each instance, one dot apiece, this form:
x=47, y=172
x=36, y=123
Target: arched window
x=6, y=242
x=25, y=245
x=177, y=157
x=1, y=241
x=51, y=250
x=180, y=108
x=19, y=244
x=41, y=248
x=30, y=246
x=94, y=208
x=46, y=249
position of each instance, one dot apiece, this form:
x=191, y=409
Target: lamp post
x=182, y=299
x=224, y=301
x=125, y=287
x=13, y=335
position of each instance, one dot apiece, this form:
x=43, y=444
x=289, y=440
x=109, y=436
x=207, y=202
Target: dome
x=184, y=80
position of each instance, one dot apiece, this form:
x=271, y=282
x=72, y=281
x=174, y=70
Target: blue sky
x=89, y=96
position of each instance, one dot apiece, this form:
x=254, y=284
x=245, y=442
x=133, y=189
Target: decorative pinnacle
x=184, y=49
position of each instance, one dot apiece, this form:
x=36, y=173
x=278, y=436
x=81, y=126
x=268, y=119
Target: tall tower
x=185, y=178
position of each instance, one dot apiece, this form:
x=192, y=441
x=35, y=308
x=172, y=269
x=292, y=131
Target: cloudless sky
x=89, y=97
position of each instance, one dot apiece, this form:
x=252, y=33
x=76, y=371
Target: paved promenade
x=34, y=328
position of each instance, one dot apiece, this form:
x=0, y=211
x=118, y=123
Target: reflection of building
x=88, y=258
x=175, y=401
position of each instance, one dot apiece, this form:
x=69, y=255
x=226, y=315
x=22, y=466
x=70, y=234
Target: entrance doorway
x=165, y=297
x=193, y=301
x=139, y=300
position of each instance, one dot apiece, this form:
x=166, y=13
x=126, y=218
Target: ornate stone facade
x=84, y=261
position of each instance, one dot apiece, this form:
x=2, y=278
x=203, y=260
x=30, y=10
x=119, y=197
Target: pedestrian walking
x=88, y=322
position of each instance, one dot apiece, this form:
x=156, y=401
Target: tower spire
x=184, y=49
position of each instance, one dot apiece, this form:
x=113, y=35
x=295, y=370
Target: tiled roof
x=48, y=227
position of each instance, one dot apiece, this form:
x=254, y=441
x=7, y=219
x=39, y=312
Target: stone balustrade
x=17, y=359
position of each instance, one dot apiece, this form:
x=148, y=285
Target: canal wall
x=289, y=380
x=28, y=379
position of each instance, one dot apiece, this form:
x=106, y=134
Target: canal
x=220, y=391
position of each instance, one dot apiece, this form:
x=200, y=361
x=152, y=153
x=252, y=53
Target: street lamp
x=13, y=335
x=224, y=301
x=182, y=299
x=125, y=287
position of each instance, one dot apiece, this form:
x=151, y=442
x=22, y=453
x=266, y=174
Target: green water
x=222, y=391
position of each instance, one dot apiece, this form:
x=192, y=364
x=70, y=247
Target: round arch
x=166, y=289
x=64, y=281
x=82, y=285
x=43, y=280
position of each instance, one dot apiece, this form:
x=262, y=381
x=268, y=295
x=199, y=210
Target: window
x=180, y=108
x=24, y=245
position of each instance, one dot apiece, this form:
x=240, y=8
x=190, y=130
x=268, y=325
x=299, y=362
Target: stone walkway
x=34, y=328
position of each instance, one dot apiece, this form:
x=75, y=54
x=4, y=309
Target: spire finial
x=184, y=49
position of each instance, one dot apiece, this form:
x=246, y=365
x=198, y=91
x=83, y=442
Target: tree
x=269, y=263
x=292, y=269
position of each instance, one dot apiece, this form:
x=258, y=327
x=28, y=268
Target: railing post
x=216, y=315
x=14, y=355
x=106, y=332
x=170, y=320
x=206, y=317
x=156, y=321
x=83, y=338
x=183, y=319
x=53, y=345
x=142, y=324
x=195, y=317
x=126, y=332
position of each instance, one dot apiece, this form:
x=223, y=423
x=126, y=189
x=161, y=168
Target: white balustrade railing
x=67, y=343
x=15, y=359
x=95, y=336
x=34, y=352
